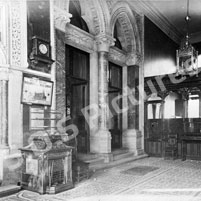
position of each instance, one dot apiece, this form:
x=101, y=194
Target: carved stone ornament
x=104, y=42
x=16, y=33
x=61, y=18
x=117, y=56
x=133, y=59
x=110, y=4
x=184, y=93
x=94, y=13
x=79, y=38
x=163, y=94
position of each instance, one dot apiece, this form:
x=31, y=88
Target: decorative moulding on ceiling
x=158, y=18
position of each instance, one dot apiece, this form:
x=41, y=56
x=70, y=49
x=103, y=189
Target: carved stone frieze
x=110, y=4
x=133, y=59
x=79, y=38
x=117, y=56
x=16, y=33
x=131, y=25
x=61, y=18
x=139, y=35
x=127, y=30
x=104, y=42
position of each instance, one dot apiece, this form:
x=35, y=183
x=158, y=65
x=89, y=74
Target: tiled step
x=92, y=159
x=120, y=151
x=117, y=162
x=120, y=156
x=9, y=190
x=85, y=157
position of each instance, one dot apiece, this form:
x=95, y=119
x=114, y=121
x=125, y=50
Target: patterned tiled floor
x=167, y=180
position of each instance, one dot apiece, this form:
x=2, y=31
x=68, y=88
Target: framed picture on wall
x=36, y=91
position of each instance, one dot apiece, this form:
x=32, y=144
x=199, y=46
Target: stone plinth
x=132, y=140
x=100, y=143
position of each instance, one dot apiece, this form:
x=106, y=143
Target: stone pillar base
x=132, y=140
x=107, y=157
x=101, y=142
x=4, y=151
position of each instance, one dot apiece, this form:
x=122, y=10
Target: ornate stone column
x=132, y=137
x=102, y=139
x=4, y=110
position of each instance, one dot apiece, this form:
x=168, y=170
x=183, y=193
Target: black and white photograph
x=100, y=100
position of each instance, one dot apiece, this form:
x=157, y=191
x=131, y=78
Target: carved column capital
x=133, y=58
x=104, y=42
x=61, y=18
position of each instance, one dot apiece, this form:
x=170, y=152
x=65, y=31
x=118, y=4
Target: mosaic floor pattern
x=140, y=170
x=143, y=180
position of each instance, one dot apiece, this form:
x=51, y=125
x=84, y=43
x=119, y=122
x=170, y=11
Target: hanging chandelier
x=187, y=56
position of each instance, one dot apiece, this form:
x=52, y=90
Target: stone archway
x=131, y=42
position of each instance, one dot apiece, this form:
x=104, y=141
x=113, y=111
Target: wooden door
x=153, y=129
x=115, y=91
x=79, y=100
x=77, y=93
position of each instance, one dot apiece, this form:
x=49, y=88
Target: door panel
x=79, y=100
x=115, y=90
x=115, y=122
x=77, y=93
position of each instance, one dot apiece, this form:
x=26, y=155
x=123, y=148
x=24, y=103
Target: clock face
x=43, y=48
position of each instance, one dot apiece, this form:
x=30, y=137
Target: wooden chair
x=171, y=147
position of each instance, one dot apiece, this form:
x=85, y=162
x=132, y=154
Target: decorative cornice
x=117, y=56
x=61, y=18
x=104, y=42
x=76, y=37
x=158, y=18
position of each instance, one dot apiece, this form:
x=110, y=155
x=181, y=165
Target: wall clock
x=40, y=56
x=41, y=50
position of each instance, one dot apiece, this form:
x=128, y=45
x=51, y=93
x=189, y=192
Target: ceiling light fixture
x=187, y=56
